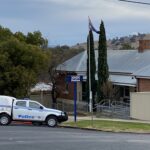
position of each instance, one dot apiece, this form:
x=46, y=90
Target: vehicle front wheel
x=51, y=121
x=5, y=119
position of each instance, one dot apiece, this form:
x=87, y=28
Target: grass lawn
x=115, y=126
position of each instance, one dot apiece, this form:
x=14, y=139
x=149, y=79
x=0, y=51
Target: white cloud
x=62, y=19
x=79, y=10
x=98, y=9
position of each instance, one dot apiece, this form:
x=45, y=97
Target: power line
x=137, y=2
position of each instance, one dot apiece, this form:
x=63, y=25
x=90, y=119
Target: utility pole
x=90, y=91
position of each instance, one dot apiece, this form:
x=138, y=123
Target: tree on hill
x=90, y=48
x=126, y=46
x=5, y=33
x=36, y=38
x=20, y=36
x=103, y=74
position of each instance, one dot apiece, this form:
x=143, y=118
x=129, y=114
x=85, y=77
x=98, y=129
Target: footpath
x=79, y=118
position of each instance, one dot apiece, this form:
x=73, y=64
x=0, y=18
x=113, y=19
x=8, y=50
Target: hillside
x=126, y=42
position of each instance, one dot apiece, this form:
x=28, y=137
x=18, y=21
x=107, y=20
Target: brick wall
x=143, y=85
x=64, y=91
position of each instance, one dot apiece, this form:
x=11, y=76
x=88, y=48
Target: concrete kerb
x=92, y=129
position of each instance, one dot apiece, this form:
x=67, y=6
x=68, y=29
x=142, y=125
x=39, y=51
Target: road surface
x=44, y=138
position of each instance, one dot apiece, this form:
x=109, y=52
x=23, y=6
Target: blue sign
x=74, y=78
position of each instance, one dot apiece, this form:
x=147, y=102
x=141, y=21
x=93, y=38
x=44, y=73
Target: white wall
x=140, y=105
x=79, y=91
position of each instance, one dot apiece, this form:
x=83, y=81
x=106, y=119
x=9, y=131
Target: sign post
x=75, y=79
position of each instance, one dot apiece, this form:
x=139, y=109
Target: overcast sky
x=66, y=21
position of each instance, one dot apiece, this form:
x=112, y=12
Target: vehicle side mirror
x=41, y=107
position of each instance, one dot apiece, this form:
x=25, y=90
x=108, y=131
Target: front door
x=37, y=111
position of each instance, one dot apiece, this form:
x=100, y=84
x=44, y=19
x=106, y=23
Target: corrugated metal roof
x=123, y=80
x=123, y=61
x=76, y=63
x=143, y=72
x=127, y=61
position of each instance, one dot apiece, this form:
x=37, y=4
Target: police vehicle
x=12, y=109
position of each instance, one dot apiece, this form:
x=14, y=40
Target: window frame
x=35, y=103
x=20, y=105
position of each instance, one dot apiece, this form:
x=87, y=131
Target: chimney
x=144, y=44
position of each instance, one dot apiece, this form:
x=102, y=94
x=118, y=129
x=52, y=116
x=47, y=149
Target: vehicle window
x=21, y=103
x=34, y=105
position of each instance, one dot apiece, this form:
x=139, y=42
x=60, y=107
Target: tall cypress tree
x=103, y=73
x=90, y=46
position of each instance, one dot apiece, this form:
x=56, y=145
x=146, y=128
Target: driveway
x=43, y=138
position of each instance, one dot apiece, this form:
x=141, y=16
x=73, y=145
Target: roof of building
x=121, y=61
x=123, y=65
x=146, y=37
x=124, y=80
x=41, y=86
x=143, y=72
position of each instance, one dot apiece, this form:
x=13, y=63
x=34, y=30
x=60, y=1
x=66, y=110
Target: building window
x=124, y=91
x=34, y=105
x=121, y=91
x=66, y=88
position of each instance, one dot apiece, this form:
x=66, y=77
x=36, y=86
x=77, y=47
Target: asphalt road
x=44, y=138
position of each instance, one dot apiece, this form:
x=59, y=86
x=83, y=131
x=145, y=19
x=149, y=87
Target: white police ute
x=12, y=109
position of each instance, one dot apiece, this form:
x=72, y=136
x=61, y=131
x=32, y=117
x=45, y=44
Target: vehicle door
x=20, y=110
x=37, y=111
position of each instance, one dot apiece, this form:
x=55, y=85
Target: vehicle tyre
x=51, y=121
x=5, y=119
x=36, y=123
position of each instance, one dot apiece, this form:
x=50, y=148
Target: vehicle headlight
x=63, y=113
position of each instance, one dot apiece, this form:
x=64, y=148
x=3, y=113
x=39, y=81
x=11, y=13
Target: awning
x=122, y=80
